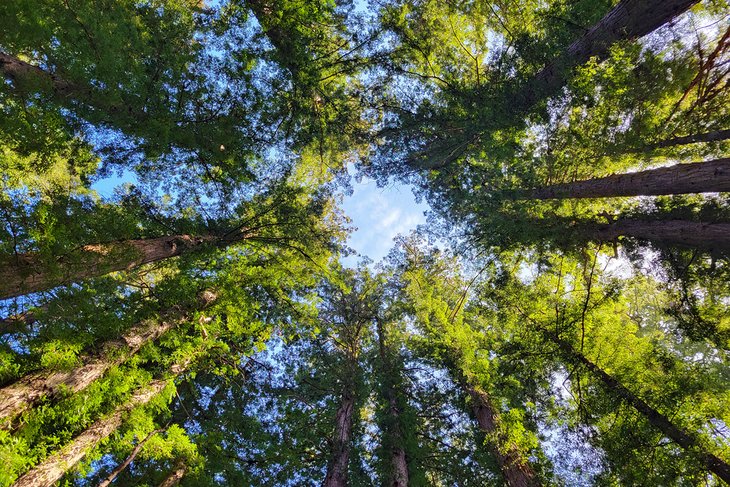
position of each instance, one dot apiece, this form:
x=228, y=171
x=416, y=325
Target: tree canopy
x=563, y=317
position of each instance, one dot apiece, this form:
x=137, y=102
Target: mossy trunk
x=53, y=468
x=31, y=389
x=515, y=469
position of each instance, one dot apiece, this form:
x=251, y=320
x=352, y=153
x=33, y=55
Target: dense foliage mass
x=563, y=318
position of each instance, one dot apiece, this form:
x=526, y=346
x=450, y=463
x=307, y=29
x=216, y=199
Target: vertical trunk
x=50, y=471
x=398, y=458
x=630, y=19
x=715, y=136
x=175, y=477
x=516, y=470
x=27, y=273
x=120, y=468
x=341, y=442
x=709, y=236
x=697, y=177
x=289, y=54
x=685, y=439
x=23, y=394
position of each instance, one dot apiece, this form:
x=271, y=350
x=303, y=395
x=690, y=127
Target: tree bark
x=715, y=136
x=516, y=470
x=27, y=273
x=630, y=19
x=175, y=477
x=341, y=442
x=696, y=177
x=25, y=75
x=31, y=389
x=51, y=470
x=398, y=457
x=708, y=236
x=130, y=458
x=686, y=440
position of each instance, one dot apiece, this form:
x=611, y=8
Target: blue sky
x=380, y=214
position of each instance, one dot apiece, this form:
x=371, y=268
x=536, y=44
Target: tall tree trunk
x=130, y=458
x=341, y=442
x=516, y=470
x=696, y=177
x=50, y=471
x=708, y=236
x=630, y=19
x=685, y=439
x=398, y=459
x=23, y=394
x=26, y=76
x=27, y=273
x=715, y=136
x=175, y=477
x=288, y=53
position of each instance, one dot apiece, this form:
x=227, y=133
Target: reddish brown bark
x=715, y=136
x=629, y=19
x=341, y=442
x=685, y=439
x=28, y=273
x=50, y=471
x=175, y=477
x=23, y=394
x=516, y=470
x=709, y=236
x=696, y=177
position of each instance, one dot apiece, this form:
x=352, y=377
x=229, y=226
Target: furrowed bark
x=715, y=136
x=31, y=389
x=175, y=477
x=130, y=458
x=341, y=442
x=630, y=19
x=398, y=458
x=26, y=273
x=51, y=470
x=516, y=470
x=696, y=177
x=685, y=439
x=708, y=236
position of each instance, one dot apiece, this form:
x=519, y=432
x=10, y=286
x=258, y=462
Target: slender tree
x=130, y=458
x=662, y=422
x=449, y=336
x=393, y=427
